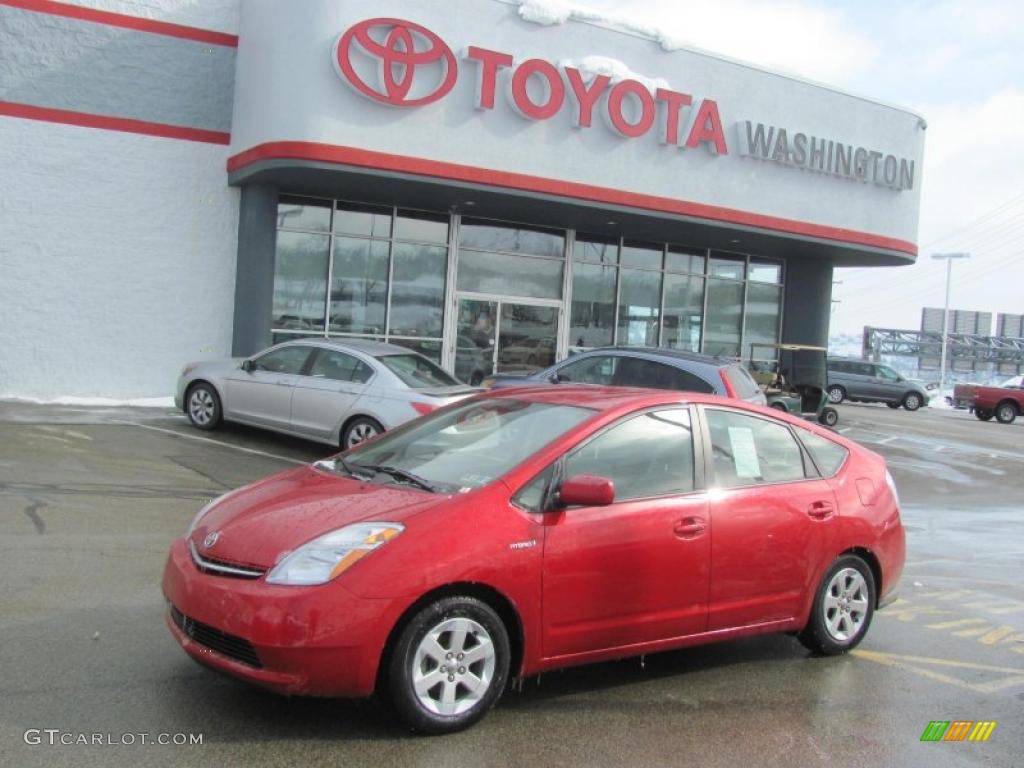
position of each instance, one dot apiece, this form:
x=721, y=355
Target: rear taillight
x=423, y=408
x=729, y=391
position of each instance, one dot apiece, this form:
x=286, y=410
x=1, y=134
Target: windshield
x=417, y=372
x=469, y=445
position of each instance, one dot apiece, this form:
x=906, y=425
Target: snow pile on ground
x=591, y=66
x=138, y=402
x=550, y=12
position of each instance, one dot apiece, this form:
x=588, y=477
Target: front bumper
x=311, y=641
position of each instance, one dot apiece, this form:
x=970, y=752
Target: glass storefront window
x=597, y=248
x=689, y=260
x=639, y=307
x=367, y=220
x=359, y=285
x=728, y=267
x=764, y=271
x=508, y=275
x=684, y=311
x=429, y=348
x=510, y=238
x=764, y=305
x=304, y=213
x=417, y=290
x=646, y=255
x=421, y=227
x=722, y=324
x=592, y=322
x=300, y=281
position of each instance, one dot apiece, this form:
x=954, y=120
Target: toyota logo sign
x=395, y=62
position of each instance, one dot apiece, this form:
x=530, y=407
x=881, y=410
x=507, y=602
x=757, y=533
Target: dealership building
x=487, y=182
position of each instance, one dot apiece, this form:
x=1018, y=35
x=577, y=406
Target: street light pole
x=948, y=258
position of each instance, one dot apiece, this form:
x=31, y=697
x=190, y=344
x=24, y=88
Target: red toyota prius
x=529, y=529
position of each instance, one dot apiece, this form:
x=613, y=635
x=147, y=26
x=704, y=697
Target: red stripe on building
x=125, y=21
x=351, y=156
x=124, y=125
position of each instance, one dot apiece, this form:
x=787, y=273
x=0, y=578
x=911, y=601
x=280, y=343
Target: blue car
x=649, y=367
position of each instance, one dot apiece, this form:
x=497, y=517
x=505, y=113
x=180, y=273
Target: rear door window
x=748, y=450
x=335, y=365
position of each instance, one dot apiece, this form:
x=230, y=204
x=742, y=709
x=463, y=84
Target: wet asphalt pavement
x=91, y=498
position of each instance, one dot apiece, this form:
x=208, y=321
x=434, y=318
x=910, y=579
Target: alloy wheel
x=453, y=666
x=846, y=604
x=361, y=433
x=201, y=406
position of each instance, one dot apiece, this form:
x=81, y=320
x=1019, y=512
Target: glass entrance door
x=503, y=336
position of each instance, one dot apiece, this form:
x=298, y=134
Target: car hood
x=258, y=524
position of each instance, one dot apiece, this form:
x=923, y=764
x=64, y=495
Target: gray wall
x=807, y=302
x=254, y=277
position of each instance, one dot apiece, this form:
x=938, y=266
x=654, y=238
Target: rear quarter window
x=828, y=456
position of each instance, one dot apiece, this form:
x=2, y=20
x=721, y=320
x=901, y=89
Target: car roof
x=604, y=398
x=367, y=346
x=666, y=354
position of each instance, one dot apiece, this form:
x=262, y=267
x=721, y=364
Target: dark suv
x=645, y=367
x=867, y=382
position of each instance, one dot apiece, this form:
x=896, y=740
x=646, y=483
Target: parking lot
x=91, y=499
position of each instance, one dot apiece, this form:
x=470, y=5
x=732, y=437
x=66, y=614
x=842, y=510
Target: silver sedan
x=335, y=391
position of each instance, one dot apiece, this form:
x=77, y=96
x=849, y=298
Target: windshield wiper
x=403, y=475
x=350, y=467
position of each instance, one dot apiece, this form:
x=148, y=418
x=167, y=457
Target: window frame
x=811, y=471
x=558, y=465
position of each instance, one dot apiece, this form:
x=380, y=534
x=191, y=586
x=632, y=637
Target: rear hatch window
x=743, y=383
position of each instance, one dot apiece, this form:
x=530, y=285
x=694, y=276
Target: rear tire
x=912, y=401
x=202, y=405
x=894, y=406
x=359, y=430
x=843, y=607
x=984, y=415
x=1006, y=412
x=836, y=394
x=449, y=665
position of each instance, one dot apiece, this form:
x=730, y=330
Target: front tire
x=202, y=404
x=984, y=415
x=360, y=430
x=843, y=607
x=836, y=394
x=449, y=665
x=913, y=401
x=1006, y=412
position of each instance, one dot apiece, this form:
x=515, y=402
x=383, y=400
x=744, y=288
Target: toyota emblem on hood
x=211, y=539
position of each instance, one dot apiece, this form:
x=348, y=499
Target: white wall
x=117, y=260
x=215, y=15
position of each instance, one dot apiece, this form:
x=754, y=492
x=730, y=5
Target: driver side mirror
x=557, y=378
x=587, y=491
x=248, y=366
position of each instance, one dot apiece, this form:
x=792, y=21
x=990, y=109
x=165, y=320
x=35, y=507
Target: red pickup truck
x=1005, y=402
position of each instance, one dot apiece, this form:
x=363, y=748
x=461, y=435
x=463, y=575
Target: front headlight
x=206, y=508
x=320, y=560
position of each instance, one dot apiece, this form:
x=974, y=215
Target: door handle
x=689, y=527
x=819, y=510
